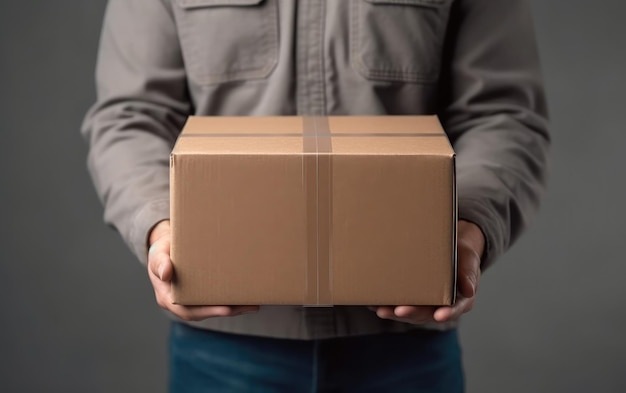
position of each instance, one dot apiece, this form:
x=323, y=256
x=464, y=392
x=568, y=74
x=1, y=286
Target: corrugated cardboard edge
x=455, y=218
x=173, y=203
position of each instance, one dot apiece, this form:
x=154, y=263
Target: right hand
x=161, y=272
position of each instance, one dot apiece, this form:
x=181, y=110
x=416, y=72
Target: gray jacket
x=472, y=62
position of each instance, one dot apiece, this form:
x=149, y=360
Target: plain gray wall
x=77, y=311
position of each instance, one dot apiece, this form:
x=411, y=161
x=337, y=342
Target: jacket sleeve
x=494, y=111
x=142, y=103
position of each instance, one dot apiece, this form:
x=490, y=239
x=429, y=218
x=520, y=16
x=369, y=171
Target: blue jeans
x=209, y=361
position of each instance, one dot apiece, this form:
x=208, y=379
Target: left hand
x=470, y=246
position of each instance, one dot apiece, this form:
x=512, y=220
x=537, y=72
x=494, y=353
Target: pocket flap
x=420, y=3
x=216, y=3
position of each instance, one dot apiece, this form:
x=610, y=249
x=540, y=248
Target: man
x=472, y=62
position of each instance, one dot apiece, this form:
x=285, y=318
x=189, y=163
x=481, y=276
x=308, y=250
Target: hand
x=470, y=246
x=161, y=272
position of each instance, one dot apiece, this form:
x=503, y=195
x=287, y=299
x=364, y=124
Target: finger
x=447, y=313
x=198, y=313
x=417, y=313
x=470, y=247
x=162, y=291
x=468, y=271
x=166, y=269
x=443, y=314
x=159, y=261
x=385, y=312
x=407, y=314
x=163, y=295
x=160, y=266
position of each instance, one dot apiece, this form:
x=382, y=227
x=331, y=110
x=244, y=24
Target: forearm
x=496, y=117
x=141, y=106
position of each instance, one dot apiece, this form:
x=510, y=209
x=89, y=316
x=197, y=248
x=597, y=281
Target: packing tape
x=317, y=162
x=311, y=135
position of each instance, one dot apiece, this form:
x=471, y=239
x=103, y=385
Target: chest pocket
x=228, y=40
x=398, y=40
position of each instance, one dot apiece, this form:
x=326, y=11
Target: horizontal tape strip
x=314, y=135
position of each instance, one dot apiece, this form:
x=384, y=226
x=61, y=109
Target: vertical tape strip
x=324, y=211
x=317, y=168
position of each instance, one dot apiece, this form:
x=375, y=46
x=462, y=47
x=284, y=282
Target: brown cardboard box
x=313, y=211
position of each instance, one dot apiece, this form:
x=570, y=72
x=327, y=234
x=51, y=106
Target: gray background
x=77, y=311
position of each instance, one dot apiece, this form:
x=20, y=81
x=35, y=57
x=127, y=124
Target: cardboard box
x=313, y=211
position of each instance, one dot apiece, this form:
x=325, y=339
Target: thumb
x=159, y=262
x=468, y=272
